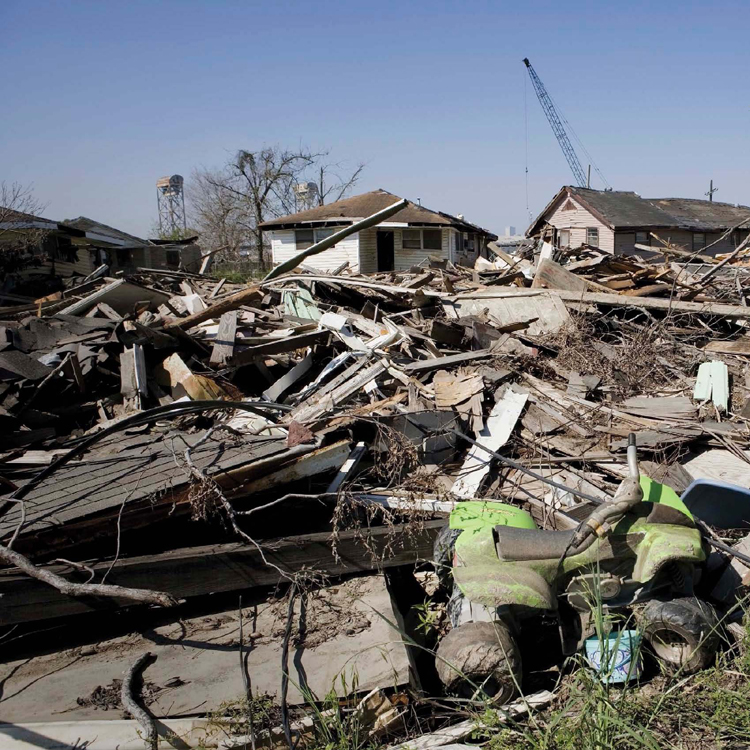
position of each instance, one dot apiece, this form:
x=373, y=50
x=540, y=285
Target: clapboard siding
x=368, y=251
x=578, y=220
x=284, y=247
x=405, y=259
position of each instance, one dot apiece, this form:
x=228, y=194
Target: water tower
x=170, y=199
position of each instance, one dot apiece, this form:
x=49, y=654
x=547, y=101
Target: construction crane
x=557, y=127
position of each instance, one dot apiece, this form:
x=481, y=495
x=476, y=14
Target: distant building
x=510, y=231
x=77, y=247
x=617, y=221
x=407, y=239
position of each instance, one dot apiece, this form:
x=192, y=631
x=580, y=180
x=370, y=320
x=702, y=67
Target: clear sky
x=102, y=98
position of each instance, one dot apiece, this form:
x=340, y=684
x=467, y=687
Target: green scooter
x=504, y=570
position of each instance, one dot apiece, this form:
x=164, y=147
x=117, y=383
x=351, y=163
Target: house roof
x=708, y=215
x=11, y=219
x=96, y=231
x=366, y=204
x=620, y=209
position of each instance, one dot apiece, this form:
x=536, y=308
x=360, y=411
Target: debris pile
x=166, y=432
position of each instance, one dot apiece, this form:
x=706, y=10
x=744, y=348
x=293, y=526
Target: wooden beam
x=245, y=297
x=279, y=346
x=212, y=569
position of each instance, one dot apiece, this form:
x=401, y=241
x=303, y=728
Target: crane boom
x=557, y=126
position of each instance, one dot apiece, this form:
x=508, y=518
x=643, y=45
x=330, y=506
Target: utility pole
x=711, y=191
x=588, y=177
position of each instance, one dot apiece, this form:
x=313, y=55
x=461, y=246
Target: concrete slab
x=338, y=639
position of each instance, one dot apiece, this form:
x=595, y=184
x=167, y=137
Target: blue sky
x=103, y=98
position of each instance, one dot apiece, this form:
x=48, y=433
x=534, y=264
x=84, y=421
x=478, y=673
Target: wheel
x=683, y=633
x=480, y=657
x=442, y=555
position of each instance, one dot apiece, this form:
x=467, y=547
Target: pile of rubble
x=168, y=437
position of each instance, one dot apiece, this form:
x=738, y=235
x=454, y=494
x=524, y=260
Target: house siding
x=284, y=247
x=405, y=259
x=682, y=238
x=578, y=221
x=368, y=250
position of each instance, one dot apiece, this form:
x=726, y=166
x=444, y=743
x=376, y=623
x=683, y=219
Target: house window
x=304, y=238
x=124, y=257
x=432, y=239
x=63, y=249
x=411, y=239
x=699, y=240
x=592, y=236
x=468, y=242
x=642, y=238
x=173, y=258
x=565, y=238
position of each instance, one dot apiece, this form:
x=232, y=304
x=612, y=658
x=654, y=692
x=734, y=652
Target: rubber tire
x=442, y=555
x=482, y=653
x=692, y=621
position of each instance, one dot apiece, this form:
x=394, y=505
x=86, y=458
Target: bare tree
x=20, y=231
x=228, y=205
x=334, y=183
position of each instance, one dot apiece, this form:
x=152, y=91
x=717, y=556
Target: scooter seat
x=514, y=544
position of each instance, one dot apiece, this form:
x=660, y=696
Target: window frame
x=420, y=230
x=696, y=246
x=589, y=231
x=560, y=238
x=647, y=240
x=304, y=244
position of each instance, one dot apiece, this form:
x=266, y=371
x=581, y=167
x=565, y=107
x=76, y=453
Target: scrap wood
x=497, y=430
x=464, y=729
x=712, y=384
x=174, y=372
x=245, y=297
x=229, y=566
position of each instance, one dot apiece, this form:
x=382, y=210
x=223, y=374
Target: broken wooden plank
x=319, y=461
x=177, y=375
x=284, y=383
x=739, y=346
x=245, y=297
x=326, y=402
x=224, y=342
x=439, y=363
x=348, y=467
x=712, y=384
x=553, y=276
x=222, y=567
x=279, y=346
x=497, y=430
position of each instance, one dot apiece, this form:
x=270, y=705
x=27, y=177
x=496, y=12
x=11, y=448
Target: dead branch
x=131, y=704
x=145, y=596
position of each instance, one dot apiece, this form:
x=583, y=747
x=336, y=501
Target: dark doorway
x=385, y=251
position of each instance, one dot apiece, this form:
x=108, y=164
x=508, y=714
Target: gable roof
x=620, y=209
x=366, y=204
x=96, y=231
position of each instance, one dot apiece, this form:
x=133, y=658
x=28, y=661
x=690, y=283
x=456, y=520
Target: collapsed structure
x=207, y=468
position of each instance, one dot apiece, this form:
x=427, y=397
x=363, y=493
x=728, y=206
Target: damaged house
x=618, y=221
x=77, y=247
x=407, y=239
